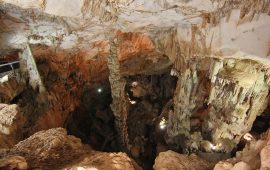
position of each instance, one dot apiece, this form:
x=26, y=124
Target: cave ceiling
x=229, y=28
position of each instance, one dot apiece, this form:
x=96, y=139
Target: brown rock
x=10, y=89
x=172, y=161
x=255, y=155
x=102, y=160
x=265, y=157
x=223, y=166
x=11, y=123
x=241, y=166
x=13, y=162
x=49, y=149
x=54, y=149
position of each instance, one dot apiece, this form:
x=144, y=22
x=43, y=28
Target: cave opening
x=93, y=120
x=261, y=124
x=149, y=96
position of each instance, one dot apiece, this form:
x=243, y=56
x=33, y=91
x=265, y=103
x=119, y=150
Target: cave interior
x=141, y=91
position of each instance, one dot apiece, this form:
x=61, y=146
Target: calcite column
x=31, y=68
x=120, y=104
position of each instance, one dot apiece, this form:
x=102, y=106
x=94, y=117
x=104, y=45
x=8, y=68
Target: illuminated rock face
x=218, y=49
x=224, y=95
x=11, y=125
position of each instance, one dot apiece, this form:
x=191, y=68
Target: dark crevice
x=93, y=120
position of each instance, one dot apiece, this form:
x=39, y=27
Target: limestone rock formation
x=11, y=124
x=48, y=149
x=170, y=160
x=54, y=149
x=254, y=156
x=14, y=162
x=11, y=87
x=101, y=160
x=224, y=95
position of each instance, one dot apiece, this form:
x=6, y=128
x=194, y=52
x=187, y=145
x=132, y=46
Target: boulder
x=103, y=160
x=265, y=157
x=49, y=149
x=223, y=166
x=13, y=162
x=241, y=166
x=11, y=123
x=170, y=160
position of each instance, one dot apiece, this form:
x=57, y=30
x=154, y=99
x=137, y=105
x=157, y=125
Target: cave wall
x=224, y=96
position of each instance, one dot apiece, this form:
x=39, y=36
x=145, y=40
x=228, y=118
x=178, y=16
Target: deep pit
x=148, y=96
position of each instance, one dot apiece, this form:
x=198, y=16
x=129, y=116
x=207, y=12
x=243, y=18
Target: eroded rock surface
x=14, y=162
x=170, y=160
x=48, y=149
x=11, y=124
x=220, y=99
x=54, y=149
x=10, y=86
x=102, y=160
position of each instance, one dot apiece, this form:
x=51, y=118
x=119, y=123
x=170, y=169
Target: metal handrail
x=8, y=64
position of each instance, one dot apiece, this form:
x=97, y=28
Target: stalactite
x=231, y=93
x=236, y=98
